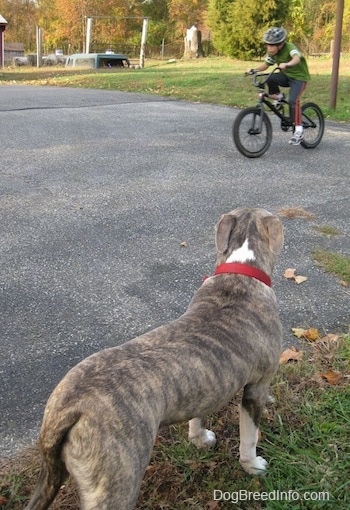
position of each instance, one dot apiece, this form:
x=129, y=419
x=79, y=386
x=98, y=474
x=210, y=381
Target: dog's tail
x=53, y=470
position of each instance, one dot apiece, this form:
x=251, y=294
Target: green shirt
x=286, y=53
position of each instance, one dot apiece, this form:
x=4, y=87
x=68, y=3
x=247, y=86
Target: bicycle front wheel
x=252, y=132
x=313, y=124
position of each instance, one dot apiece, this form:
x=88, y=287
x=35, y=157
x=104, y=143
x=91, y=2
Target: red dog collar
x=236, y=268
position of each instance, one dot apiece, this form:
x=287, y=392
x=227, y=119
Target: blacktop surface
x=108, y=202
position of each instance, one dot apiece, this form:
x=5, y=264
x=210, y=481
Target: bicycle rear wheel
x=313, y=124
x=252, y=134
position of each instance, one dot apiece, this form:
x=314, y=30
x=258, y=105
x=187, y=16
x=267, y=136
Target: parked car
x=97, y=60
x=53, y=59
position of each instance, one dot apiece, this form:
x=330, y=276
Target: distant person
x=295, y=75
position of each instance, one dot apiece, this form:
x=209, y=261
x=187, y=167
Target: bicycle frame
x=264, y=101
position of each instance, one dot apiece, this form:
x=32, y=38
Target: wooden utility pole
x=3, y=24
x=336, y=53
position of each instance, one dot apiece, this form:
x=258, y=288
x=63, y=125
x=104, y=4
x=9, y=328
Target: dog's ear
x=223, y=231
x=274, y=229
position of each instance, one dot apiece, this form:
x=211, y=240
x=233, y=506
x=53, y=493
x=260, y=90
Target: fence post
x=39, y=47
x=143, y=42
x=336, y=53
x=88, y=35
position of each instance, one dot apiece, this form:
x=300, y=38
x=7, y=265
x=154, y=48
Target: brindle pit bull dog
x=101, y=421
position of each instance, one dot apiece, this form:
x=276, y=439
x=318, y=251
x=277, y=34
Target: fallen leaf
x=318, y=379
x=295, y=212
x=150, y=469
x=3, y=500
x=330, y=338
x=211, y=505
x=300, y=279
x=184, y=244
x=332, y=377
x=312, y=334
x=298, y=332
x=291, y=354
x=344, y=283
x=289, y=273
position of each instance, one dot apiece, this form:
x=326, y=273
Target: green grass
x=327, y=230
x=305, y=436
x=315, y=428
x=333, y=263
x=211, y=80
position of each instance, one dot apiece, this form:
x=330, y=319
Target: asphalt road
x=98, y=191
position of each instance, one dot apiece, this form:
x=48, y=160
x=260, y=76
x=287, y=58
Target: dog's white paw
x=257, y=466
x=206, y=439
x=270, y=399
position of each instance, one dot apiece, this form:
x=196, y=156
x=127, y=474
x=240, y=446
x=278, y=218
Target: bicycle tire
x=247, y=139
x=313, y=124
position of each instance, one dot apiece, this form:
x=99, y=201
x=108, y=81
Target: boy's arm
x=293, y=62
x=262, y=67
x=259, y=69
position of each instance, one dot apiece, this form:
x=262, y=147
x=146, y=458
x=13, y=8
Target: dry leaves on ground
x=323, y=351
x=291, y=354
x=295, y=212
x=333, y=377
x=289, y=274
x=311, y=334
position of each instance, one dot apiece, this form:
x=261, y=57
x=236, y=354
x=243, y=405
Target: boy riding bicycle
x=295, y=75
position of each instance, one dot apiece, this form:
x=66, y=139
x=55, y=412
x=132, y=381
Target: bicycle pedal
x=278, y=105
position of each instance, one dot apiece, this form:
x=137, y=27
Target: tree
x=186, y=13
x=238, y=25
x=64, y=22
x=218, y=20
x=21, y=16
x=161, y=27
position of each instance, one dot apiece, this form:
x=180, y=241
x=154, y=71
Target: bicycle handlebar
x=256, y=75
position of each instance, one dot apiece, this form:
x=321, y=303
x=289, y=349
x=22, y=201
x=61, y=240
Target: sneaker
x=296, y=139
x=278, y=103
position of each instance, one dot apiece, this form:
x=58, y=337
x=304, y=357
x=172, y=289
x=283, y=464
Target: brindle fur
x=101, y=421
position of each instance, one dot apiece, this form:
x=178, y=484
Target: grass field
x=211, y=80
x=305, y=433
x=305, y=436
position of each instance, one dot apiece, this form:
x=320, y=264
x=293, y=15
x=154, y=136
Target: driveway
x=108, y=203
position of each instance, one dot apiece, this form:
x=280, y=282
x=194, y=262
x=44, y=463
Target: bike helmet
x=275, y=35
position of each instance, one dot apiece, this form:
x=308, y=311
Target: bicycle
x=252, y=128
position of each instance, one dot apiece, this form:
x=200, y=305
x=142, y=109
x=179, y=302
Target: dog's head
x=251, y=236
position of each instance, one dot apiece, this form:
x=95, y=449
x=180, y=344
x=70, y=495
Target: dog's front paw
x=206, y=439
x=257, y=466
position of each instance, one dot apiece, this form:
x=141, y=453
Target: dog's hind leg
x=253, y=402
x=199, y=436
x=107, y=464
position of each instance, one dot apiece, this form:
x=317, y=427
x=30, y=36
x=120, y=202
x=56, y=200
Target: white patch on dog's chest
x=242, y=254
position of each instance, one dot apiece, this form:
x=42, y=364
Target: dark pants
x=296, y=87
